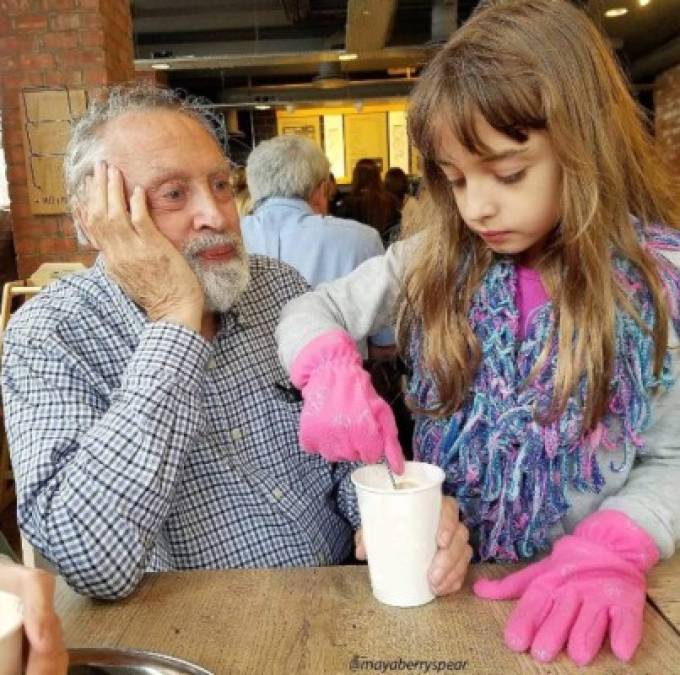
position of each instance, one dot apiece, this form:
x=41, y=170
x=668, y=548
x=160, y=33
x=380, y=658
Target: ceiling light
x=643, y=3
x=160, y=66
x=262, y=106
x=349, y=56
x=616, y=11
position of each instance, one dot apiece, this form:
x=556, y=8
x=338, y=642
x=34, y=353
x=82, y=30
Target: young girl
x=540, y=312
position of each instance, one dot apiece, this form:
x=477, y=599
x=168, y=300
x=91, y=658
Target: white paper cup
x=11, y=634
x=400, y=530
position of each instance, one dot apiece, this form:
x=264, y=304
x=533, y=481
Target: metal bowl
x=111, y=661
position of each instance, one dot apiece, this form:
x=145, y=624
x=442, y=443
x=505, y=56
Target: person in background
x=35, y=588
x=396, y=183
x=540, y=313
x=368, y=201
x=288, y=178
x=289, y=183
x=151, y=425
x=239, y=184
x=335, y=197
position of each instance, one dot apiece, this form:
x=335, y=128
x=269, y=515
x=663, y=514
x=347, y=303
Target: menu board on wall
x=366, y=136
x=334, y=144
x=47, y=115
x=308, y=127
x=398, y=139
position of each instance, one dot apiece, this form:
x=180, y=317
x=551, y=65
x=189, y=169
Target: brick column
x=53, y=43
x=667, y=116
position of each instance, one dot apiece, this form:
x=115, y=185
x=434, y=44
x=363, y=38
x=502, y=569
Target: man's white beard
x=223, y=283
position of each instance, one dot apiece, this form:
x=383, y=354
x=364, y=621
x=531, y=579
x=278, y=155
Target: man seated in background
x=288, y=178
x=150, y=422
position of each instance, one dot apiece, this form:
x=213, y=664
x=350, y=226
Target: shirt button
x=277, y=493
x=236, y=435
x=211, y=363
x=321, y=559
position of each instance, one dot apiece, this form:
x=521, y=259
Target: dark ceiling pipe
x=444, y=20
x=663, y=58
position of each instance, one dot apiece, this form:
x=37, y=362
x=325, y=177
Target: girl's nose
x=480, y=203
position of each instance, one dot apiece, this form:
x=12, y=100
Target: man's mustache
x=196, y=246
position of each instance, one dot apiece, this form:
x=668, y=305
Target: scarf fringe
x=509, y=474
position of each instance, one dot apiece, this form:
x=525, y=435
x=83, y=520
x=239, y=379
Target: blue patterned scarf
x=507, y=471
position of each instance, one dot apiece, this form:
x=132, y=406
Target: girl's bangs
x=458, y=94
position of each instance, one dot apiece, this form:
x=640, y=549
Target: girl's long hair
x=538, y=65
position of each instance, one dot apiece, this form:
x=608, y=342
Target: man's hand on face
x=144, y=263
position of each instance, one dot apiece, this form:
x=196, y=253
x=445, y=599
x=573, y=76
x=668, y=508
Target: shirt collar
x=290, y=202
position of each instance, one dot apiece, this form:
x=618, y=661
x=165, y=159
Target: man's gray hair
x=85, y=148
x=286, y=166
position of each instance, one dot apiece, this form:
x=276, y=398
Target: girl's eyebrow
x=490, y=157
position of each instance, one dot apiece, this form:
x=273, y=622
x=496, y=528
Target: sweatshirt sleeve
x=651, y=495
x=362, y=303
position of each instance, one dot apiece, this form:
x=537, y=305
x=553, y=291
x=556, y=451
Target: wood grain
x=322, y=620
x=663, y=589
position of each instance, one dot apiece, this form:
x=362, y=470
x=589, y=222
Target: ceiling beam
x=369, y=24
x=388, y=57
x=189, y=20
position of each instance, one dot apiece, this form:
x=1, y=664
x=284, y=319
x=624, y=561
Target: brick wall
x=667, y=115
x=77, y=43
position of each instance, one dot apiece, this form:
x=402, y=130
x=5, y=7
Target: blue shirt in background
x=321, y=248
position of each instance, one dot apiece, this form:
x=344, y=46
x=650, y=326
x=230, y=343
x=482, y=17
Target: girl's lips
x=217, y=253
x=494, y=236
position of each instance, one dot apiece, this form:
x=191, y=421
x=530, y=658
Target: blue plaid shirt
x=140, y=446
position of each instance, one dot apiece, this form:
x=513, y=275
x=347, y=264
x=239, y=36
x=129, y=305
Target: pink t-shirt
x=531, y=296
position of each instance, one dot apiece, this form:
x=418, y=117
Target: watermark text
x=363, y=663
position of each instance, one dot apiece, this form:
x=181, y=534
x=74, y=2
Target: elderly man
x=150, y=423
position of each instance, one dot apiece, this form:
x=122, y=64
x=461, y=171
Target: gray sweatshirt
x=645, y=487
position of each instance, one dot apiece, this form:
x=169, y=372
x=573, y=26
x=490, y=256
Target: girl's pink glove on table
x=343, y=418
x=594, y=579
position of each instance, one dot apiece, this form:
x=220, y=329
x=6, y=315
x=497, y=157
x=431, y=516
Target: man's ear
x=318, y=199
x=80, y=223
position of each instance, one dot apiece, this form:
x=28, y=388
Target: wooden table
x=325, y=620
x=663, y=591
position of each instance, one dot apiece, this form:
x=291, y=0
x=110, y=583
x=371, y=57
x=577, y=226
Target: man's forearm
x=95, y=502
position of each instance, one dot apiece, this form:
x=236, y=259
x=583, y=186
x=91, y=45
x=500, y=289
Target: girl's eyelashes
x=513, y=177
x=509, y=179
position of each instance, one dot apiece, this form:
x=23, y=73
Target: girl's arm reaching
x=360, y=304
x=343, y=418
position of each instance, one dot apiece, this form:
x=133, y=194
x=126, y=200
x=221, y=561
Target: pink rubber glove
x=592, y=580
x=343, y=418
